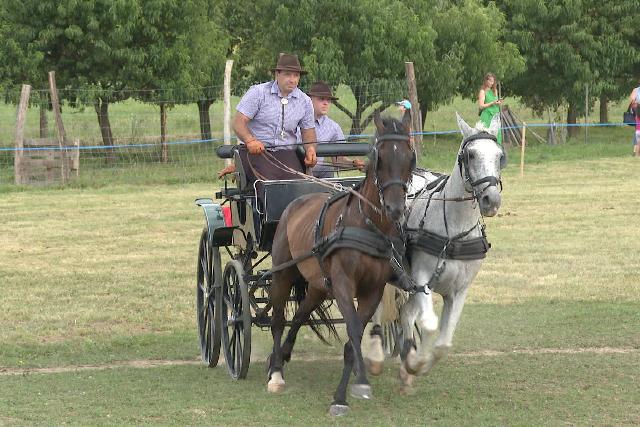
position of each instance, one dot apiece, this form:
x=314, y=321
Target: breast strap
x=440, y=246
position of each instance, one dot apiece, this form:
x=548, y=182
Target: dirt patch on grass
x=145, y=364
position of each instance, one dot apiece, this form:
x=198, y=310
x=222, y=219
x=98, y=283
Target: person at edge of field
x=403, y=106
x=267, y=119
x=634, y=103
x=327, y=130
x=489, y=102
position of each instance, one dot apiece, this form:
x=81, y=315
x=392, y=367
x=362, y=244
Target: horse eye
x=471, y=155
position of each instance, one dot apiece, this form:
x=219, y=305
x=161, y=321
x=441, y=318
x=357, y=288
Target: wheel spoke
x=238, y=352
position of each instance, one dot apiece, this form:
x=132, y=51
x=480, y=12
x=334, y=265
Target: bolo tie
x=283, y=101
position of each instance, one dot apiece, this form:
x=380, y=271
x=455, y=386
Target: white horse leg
x=408, y=315
x=372, y=347
x=451, y=311
x=427, y=323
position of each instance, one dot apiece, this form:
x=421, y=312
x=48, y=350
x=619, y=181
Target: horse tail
x=319, y=317
x=392, y=300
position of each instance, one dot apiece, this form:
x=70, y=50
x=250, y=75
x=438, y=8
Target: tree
x=183, y=51
x=87, y=43
x=366, y=43
x=363, y=45
x=463, y=57
x=568, y=46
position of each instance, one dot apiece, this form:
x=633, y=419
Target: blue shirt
x=327, y=130
x=262, y=104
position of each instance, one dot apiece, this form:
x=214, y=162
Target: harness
x=370, y=240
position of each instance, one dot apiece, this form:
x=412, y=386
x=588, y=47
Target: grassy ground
x=106, y=273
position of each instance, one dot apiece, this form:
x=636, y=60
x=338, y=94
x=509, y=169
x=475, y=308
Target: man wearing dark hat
x=327, y=130
x=267, y=118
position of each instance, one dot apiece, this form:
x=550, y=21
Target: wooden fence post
x=59, y=125
x=522, y=148
x=164, y=148
x=416, y=114
x=227, y=105
x=21, y=117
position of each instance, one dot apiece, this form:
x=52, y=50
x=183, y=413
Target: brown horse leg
x=279, y=295
x=340, y=406
x=352, y=351
x=312, y=300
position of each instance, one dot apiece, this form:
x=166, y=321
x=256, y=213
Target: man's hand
x=310, y=158
x=255, y=147
x=227, y=170
x=358, y=164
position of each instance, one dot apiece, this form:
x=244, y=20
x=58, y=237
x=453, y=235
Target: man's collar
x=275, y=89
x=321, y=119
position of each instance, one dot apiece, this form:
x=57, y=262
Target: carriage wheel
x=208, y=316
x=392, y=338
x=235, y=314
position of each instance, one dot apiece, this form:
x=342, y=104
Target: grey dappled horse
x=451, y=209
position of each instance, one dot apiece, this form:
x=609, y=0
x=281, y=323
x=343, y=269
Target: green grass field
x=104, y=274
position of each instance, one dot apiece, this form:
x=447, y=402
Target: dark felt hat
x=321, y=89
x=288, y=62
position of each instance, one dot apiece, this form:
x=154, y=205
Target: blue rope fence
x=349, y=138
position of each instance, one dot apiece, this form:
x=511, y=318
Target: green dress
x=488, y=113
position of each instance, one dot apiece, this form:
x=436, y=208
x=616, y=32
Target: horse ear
x=406, y=120
x=466, y=130
x=494, y=128
x=378, y=122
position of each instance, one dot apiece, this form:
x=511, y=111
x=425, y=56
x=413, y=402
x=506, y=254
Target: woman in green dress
x=489, y=102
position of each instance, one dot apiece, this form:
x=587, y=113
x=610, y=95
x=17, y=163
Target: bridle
x=463, y=165
x=381, y=187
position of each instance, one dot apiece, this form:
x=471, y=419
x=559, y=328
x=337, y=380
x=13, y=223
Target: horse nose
x=490, y=203
x=394, y=211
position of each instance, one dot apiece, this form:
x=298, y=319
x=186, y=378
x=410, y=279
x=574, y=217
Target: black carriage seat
x=278, y=194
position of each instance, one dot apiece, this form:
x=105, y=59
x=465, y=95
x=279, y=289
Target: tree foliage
x=568, y=45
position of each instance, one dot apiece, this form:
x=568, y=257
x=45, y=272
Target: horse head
x=480, y=161
x=392, y=161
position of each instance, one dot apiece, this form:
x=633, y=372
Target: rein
x=327, y=184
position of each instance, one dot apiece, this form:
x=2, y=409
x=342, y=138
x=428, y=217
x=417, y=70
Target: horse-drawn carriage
x=233, y=297
x=344, y=247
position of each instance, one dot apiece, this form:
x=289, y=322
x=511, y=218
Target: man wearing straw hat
x=267, y=118
x=327, y=130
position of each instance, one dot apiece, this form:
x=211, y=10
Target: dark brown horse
x=352, y=249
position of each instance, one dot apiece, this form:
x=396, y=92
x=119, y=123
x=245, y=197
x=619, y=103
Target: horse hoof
x=338, y=410
x=407, y=390
x=406, y=378
x=361, y=391
x=276, y=383
x=373, y=367
x=415, y=368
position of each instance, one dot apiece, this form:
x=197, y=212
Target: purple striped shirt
x=327, y=130
x=262, y=104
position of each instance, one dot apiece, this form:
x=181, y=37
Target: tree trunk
x=572, y=116
x=205, y=122
x=604, y=110
x=164, y=148
x=356, y=125
x=44, y=131
x=102, y=110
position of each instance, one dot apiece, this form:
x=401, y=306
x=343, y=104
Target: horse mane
x=480, y=127
x=393, y=125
